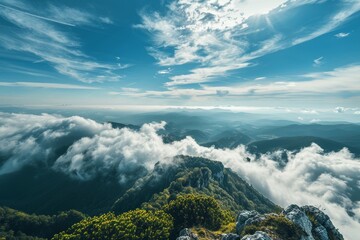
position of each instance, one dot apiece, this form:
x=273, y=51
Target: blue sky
x=258, y=53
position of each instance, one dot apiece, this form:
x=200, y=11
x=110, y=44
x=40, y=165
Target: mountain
x=121, y=125
x=297, y=143
x=193, y=175
x=348, y=134
x=44, y=191
x=198, y=135
x=228, y=139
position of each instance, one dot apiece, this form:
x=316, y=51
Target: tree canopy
x=133, y=225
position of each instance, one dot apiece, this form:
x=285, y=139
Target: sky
x=223, y=53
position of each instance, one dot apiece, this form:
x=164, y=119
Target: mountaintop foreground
x=195, y=198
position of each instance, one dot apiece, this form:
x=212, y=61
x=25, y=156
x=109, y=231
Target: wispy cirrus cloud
x=217, y=37
x=340, y=80
x=318, y=61
x=58, y=14
x=335, y=20
x=46, y=38
x=165, y=71
x=46, y=85
x=342, y=35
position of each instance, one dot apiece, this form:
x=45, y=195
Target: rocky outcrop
x=187, y=234
x=230, y=236
x=243, y=217
x=295, y=214
x=323, y=228
x=259, y=235
x=314, y=222
x=309, y=223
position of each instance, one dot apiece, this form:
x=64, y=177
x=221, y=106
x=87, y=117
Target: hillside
x=193, y=175
x=20, y=225
x=45, y=191
x=228, y=139
x=347, y=134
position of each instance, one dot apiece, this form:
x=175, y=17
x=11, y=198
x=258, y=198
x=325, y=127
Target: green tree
x=196, y=210
x=133, y=225
x=30, y=226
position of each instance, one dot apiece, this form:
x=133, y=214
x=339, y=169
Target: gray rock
x=321, y=219
x=187, y=234
x=242, y=218
x=321, y=233
x=230, y=236
x=183, y=238
x=258, y=235
x=295, y=214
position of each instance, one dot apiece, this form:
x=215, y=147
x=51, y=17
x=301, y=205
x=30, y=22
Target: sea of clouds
x=84, y=149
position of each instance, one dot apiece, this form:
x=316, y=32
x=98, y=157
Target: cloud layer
x=84, y=149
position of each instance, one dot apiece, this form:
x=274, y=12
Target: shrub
x=196, y=210
x=133, y=225
x=30, y=226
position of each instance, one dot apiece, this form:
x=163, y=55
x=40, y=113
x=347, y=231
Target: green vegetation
x=184, y=211
x=193, y=175
x=133, y=225
x=193, y=192
x=197, y=210
x=277, y=226
x=19, y=225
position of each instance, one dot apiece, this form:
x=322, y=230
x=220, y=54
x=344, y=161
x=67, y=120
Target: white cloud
x=124, y=66
x=310, y=176
x=340, y=110
x=36, y=16
x=215, y=34
x=315, y=120
x=46, y=85
x=336, y=20
x=342, y=35
x=106, y=20
x=59, y=14
x=201, y=75
x=319, y=83
x=43, y=38
x=127, y=89
x=203, y=32
x=165, y=71
x=309, y=111
x=28, y=138
x=318, y=61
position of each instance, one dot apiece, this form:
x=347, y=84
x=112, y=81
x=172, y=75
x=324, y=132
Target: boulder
x=258, y=235
x=230, y=236
x=242, y=218
x=183, y=238
x=295, y=214
x=187, y=234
